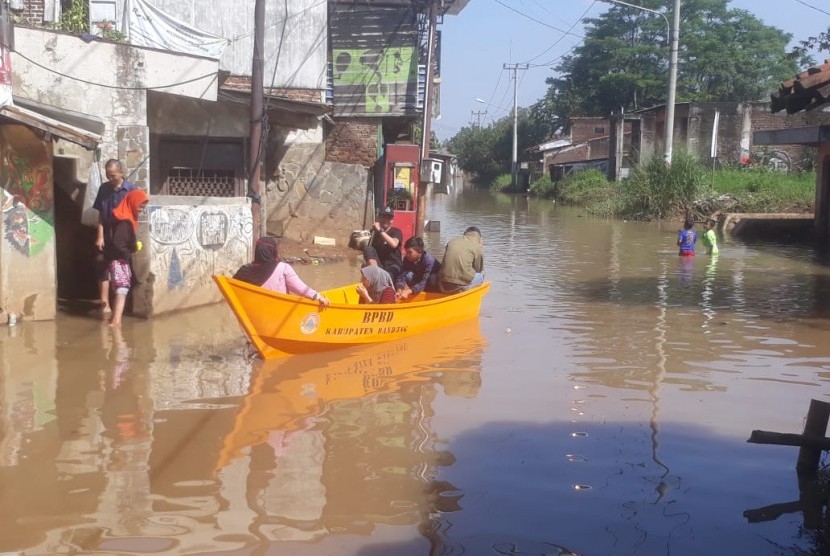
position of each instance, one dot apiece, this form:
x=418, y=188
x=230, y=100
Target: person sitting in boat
x=419, y=271
x=387, y=240
x=370, y=257
x=269, y=272
x=463, y=265
x=376, y=285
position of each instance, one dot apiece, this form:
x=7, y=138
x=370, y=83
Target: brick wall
x=33, y=11
x=585, y=128
x=353, y=141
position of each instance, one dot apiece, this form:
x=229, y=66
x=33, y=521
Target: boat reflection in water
x=341, y=442
x=167, y=451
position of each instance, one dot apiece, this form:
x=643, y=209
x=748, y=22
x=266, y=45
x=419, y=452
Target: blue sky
x=487, y=34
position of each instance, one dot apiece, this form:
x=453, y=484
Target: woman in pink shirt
x=269, y=272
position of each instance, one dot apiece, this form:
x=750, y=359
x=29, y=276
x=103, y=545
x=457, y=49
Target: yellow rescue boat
x=279, y=325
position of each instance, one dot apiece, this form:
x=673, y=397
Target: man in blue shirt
x=110, y=195
x=419, y=271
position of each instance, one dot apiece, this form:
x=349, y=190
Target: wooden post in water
x=809, y=457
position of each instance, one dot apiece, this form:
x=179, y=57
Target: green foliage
x=76, y=18
x=544, y=188
x=501, y=183
x=725, y=55
x=764, y=191
x=821, y=42
x=488, y=151
x=108, y=31
x=591, y=189
x=654, y=191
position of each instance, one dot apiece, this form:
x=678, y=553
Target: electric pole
x=255, y=146
x=675, y=37
x=421, y=201
x=514, y=163
x=477, y=115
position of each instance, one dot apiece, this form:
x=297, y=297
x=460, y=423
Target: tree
x=488, y=151
x=820, y=43
x=725, y=55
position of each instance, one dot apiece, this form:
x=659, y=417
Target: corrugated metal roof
x=57, y=128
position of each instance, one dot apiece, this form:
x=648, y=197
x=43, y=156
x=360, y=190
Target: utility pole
x=669, y=127
x=514, y=163
x=255, y=146
x=421, y=201
x=477, y=115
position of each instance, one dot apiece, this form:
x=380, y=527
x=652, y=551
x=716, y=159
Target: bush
x=654, y=191
x=544, y=188
x=501, y=183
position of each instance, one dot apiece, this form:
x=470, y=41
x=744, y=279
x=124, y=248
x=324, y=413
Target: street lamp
x=674, y=35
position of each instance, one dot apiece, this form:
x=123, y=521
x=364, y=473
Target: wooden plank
x=787, y=439
x=818, y=416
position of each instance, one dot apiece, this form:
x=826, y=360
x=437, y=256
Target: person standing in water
x=710, y=239
x=686, y=238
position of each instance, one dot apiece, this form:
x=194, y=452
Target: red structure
x=397, y=184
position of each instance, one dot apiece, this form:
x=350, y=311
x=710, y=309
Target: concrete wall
x=121, y=70
x=28, y=285
x=296, y=36
x=308, y=196
x=187, y=240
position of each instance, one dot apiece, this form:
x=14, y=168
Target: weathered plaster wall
x=297, y=30
x=308, y=196
x=188, y=240
x=108, y=80
x=27, y=248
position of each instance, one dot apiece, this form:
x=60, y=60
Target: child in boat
x=710, y=240
x=119, y=250
x=686, y=238
x=376, y=285
x=269, y=272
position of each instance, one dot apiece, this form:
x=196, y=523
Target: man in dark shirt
x=387, y=241
x=110, y=195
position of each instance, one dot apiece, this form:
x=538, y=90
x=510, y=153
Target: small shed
x=809, y=90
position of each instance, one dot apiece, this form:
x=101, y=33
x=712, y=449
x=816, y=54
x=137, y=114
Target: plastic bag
x=89, y=215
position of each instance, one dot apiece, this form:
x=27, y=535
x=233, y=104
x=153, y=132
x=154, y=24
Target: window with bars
x=201, y=183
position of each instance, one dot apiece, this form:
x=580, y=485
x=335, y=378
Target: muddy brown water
x=600, y=405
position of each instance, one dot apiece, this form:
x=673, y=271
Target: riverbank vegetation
x=620, y=65
x=653, y=191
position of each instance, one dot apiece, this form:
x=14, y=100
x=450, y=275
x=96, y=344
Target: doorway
x=75, y=249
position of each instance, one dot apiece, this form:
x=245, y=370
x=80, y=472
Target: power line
x=813, y=7
x=512, y=9
x=560, y=39
x=56, y=72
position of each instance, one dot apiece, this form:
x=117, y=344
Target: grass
x=687, y=187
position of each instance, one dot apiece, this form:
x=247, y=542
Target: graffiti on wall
x=26, y=181
x=191, y=244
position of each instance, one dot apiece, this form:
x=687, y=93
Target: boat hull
x=279, y=325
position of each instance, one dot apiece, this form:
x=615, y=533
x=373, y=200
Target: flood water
x=600, y=405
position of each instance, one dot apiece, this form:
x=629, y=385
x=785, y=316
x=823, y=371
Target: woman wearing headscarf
x=118, y=252
x=376, y=285
x=269, y=272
